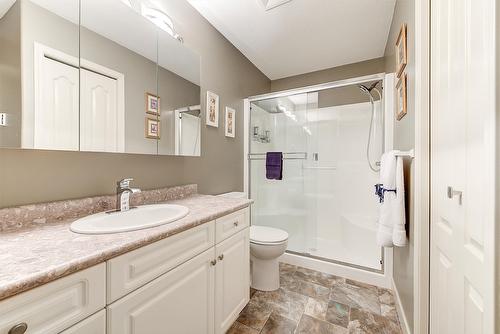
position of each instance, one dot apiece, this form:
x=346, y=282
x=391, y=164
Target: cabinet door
x=232, y=277
x=95, y=324
x=180, y=301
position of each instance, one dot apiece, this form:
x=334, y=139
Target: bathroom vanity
x=194, y=278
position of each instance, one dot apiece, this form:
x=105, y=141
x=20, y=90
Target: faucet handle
x=125, y=183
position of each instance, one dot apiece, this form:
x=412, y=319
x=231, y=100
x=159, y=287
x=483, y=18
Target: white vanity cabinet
x=203, y=295
x=194, y=282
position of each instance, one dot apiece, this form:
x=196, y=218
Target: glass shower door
x=326, y=199
x=339, y=181
x=277, y=125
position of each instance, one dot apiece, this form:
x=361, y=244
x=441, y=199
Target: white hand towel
x=399, y=231
x=388, y=182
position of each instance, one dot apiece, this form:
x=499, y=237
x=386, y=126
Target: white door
x=232, y=277
x=56, y=108
x=462, y=167
x=101, y=123
x=180, y=301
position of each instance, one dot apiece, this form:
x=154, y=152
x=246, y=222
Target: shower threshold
x=346, y=264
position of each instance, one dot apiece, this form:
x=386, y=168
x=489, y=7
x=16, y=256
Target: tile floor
x=313, y=302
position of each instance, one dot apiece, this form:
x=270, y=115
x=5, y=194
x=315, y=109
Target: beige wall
x=368, y=67
x=37, y=176
x=404, y=139
x=340, y=96
x=10, y=76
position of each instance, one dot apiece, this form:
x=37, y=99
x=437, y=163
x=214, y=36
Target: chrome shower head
x=368, y=90
x=364, y=89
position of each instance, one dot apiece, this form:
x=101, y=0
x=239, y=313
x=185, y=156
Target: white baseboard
x=399, y=308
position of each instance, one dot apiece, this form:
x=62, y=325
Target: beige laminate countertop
x=33, y=256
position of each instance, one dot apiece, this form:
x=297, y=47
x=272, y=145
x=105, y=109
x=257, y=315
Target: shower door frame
x=387, y=82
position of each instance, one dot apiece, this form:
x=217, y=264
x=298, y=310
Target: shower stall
x=332, y=137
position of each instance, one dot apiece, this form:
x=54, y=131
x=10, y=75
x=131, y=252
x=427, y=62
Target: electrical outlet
x=3, y=119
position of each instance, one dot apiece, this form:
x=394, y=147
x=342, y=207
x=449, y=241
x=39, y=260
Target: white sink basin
x=135, y=219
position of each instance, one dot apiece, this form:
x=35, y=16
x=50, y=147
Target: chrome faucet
x=123, y=192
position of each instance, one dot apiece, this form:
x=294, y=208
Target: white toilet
x=267, y=244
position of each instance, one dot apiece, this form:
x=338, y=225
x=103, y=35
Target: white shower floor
x=349, y=253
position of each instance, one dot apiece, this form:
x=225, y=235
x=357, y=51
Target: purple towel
x=274, y=165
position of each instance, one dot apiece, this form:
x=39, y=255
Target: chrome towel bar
x=406, y=154
x=286, y=156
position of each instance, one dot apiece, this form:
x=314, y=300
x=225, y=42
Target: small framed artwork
x=230, y=122
x=212, y=109
x=152, y=104
x=401, y=98
x=152, y=128
x=401, y=51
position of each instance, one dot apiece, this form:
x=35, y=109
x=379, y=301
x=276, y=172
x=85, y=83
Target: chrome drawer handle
x=19, y=328
x=235, y=224
x=213, y=262
x=221, y=257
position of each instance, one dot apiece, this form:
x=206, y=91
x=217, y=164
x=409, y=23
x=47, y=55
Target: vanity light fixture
x=161, y=20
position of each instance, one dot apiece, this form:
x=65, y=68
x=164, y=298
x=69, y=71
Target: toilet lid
x=267, y=235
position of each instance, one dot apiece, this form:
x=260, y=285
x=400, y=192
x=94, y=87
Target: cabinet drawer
x=58, y=305
x=134, y=269
x=231, y=224
x=95, y=324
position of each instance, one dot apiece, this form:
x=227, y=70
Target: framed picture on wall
x=230, y=122
x=212, y=113
x=401, y=51
x=152, y=128
x=401, y=98
x=152, y=104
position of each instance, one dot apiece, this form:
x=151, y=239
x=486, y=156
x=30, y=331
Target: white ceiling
x=5, y=6
x=302, y=36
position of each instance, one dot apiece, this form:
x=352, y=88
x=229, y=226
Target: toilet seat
x=264, y=235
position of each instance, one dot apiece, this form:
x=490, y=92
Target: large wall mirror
x=97, y=76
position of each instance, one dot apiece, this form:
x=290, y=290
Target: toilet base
x=265, y=274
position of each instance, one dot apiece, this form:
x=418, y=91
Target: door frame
x=421, y=212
